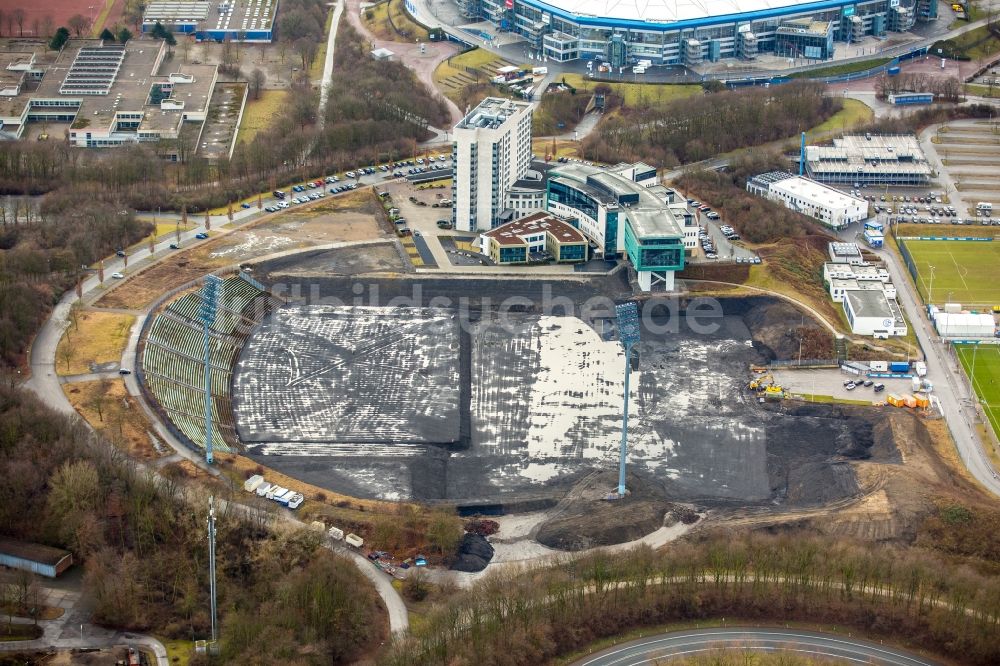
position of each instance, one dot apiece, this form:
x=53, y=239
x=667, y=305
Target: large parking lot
x=717, y=241
x=831, y=382
x=920, y=207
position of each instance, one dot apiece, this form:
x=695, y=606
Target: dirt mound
x=474, y=554
x=586, y=519
x=778, y=327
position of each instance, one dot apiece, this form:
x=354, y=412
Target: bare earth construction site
x=479, y=404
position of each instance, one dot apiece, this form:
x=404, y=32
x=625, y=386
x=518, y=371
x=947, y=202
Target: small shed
x=34, y=557
x=383, y=54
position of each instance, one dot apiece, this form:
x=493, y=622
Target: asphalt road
x=804, y=643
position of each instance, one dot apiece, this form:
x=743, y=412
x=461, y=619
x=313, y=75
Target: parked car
x=244, y=205
x=118, y=276
x=123, y=371
x=201, y=235
x=175, y=246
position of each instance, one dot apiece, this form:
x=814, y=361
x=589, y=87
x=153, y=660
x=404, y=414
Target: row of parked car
x=933, y=197
x=309, y=196
x=851, y=384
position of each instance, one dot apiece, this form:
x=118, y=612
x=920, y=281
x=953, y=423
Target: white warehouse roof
x=666, y=11
x=816, y=193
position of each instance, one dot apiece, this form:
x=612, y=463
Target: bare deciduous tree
x=78, y=23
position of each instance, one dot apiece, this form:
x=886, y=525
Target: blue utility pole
x=628, y=334
x=206, y=315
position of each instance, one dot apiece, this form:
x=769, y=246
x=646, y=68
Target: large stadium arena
x=690, y=32
x=477, y=390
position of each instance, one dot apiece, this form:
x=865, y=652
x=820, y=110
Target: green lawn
x=635, y=93
x=985, y=378
x=964, y=271
x=854, y=114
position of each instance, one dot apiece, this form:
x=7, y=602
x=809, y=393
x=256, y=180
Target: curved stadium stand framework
x=689, y=32
x=171, y=365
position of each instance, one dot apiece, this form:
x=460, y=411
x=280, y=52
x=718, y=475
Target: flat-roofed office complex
x=618, y=209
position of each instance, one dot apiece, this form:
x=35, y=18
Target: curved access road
x=805, y=643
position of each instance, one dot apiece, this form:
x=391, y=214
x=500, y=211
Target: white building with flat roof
x=871, y=312
x=830, y=206
x=491, y=151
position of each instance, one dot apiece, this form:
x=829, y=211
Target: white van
x=984, y=205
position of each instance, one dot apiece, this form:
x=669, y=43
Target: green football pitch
x=982, y=364
x=964, y=271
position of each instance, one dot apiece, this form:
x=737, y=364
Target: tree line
x=689, y=130
x=42, y=249
x=142, y=542
x=757, y=219
x=520, y=617
x=944, y=89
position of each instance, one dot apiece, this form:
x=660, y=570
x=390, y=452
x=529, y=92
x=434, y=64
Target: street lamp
x=628, y=334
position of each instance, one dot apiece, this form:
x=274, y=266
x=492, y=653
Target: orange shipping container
x=910, y=400
x=894, y=400
x=922, y=401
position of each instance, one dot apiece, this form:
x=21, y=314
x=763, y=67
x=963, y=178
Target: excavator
x=765, y=385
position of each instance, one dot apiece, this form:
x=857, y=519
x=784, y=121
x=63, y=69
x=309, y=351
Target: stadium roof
x=671, y=11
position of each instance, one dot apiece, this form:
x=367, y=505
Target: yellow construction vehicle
x=765, y=385
x=762, y=382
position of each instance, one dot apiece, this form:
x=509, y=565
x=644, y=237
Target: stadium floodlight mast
x=628, y=335
x=206, y=315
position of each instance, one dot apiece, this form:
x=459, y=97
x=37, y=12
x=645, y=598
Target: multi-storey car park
x=689, y=32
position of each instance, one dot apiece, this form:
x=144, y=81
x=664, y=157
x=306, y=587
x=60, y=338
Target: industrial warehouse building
x=859, y=161
x=532, y=238
x=821, y=202
x=217, y=20
x=871, y=312
x=491, y=151
x=108, y=94
x=33, y=557
x=689, y=32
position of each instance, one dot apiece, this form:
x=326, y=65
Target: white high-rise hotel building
x=491, y=151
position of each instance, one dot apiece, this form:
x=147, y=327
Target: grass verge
x=178, y=652
x=94, y=337
x=316, y=68
x=828, y=399
x=19, y=632
x=982, y=91
x=839, y=70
